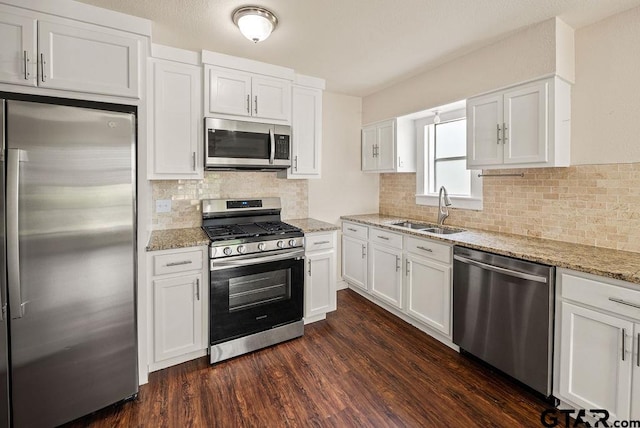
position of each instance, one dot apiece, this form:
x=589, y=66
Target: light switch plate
x=163, y=205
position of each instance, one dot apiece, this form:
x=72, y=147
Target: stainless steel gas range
x=256, y=276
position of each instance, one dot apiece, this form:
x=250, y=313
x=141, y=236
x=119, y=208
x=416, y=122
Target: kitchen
x=599, y=206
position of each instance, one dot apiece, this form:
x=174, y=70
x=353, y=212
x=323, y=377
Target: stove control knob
x=241, y=249
x=292, y=242
x=261, y=246
x=280, y=244
x=227, y=251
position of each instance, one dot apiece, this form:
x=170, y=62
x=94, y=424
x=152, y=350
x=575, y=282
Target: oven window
x=237, y=144
x=259, y=289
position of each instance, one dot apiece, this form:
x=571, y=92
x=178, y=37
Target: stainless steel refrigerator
x=68, y=331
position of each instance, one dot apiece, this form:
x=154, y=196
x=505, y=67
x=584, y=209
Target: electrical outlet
x=163, y=205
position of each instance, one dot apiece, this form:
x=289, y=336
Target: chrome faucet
x=443, y=203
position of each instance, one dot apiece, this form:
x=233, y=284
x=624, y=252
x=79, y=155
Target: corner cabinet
x=599, y=326
x=179, y=296
x=389, y=146
x=320, y=278
x=175, y=125
x=525, y=126
x=72, y=57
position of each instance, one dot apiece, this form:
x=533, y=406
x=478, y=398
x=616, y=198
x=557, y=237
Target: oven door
x=237, y=144
x=249, y=294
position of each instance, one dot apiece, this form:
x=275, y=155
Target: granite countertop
x=195, y=236
x=623, y=265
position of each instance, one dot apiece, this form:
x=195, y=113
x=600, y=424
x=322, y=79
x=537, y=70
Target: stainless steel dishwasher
x=503, y=314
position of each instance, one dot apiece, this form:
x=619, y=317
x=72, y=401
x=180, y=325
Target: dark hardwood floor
x=362, y=367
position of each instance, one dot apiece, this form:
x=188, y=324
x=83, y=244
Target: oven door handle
x=219, y=264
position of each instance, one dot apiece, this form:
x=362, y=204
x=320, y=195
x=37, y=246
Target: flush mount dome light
x=255, y=23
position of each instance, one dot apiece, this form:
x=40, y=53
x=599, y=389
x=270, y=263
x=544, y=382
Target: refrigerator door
x=4, y=344
x=70, y=216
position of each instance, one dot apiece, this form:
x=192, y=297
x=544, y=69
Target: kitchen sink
x=427, y=227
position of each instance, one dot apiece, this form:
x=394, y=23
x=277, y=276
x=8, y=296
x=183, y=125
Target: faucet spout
x=443, y=203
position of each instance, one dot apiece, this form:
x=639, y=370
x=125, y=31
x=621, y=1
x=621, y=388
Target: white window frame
x=424, y=160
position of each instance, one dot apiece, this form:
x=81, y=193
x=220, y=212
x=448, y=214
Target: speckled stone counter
x=177, y=238
x=623, y=265
x=310, y=225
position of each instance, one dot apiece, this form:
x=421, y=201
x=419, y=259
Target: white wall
x=606, y=96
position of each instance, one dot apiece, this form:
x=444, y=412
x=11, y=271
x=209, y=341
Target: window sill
x=465, y=203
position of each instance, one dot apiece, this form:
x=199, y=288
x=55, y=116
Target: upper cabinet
x=72, y=56
x=175, y=125
x=525, y=126
x=238, y=93
x=389, y=146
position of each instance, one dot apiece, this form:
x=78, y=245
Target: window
x=442, y=161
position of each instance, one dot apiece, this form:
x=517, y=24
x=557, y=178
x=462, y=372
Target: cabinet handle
x=198, y=288
x=624, y=348
x=364, y=251
x=498, y=133
x=504, y=133
x=193, y=160
x=351, y=229
x=309, y=267
x=429, y=250
x=43, y=64
x=184, y=262
x=623, y=302
x=255, y=104
x=248, y=104
x=383, y=237
x=321, y=242
x=377, y=150
x=295, y=163
x=26, y=65
x=397, y=263
x=638, y=352
x=408, y=269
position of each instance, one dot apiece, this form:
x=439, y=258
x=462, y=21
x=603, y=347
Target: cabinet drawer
x=380, y=236
x=318, y=241
x=356, y=230
x=177, y=262
x=614, y=298
x=430, y=249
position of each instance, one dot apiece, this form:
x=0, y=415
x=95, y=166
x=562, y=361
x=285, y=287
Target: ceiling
x=358, y=46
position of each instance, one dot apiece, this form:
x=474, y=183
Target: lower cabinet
x=179, y=299
x=354, y=260
x=598, y=344
x=320, y=278
x=385, y=267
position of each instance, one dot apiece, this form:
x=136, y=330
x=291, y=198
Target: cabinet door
x=385, y=274
x=271, y=98
x=354, y=262
x=484, y=131
x=369, y=146
x=525, y=135
x=429, y=292
x=635, y=386
x=17, y=50
x=320, y=284
x=229, y=91
x=595, y=371
x=78, y=59
x=306, y=124
x=386, y=140
x=177, y=315
x=176, y=120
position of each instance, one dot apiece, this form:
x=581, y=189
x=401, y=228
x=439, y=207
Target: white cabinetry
x=525, y=126
x=179, y=305
x=239, y=93
x=354, y=254
x=69, y=56
x=176, y=124
x=428, y=283
x=320, y=279
x=389, y=146
x=598, y=343
x=385, y=266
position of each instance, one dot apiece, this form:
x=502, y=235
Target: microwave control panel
x=282, y=147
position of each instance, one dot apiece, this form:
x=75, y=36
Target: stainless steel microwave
x=234, y=144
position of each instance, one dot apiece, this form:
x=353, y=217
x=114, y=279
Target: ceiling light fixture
x=255, y=23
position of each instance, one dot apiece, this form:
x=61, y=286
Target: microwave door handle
x=272, y=140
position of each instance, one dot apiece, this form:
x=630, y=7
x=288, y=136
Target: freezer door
x=70, y=205
x=4, y=379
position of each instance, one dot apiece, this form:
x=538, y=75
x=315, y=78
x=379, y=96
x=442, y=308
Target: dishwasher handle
x=498, y=269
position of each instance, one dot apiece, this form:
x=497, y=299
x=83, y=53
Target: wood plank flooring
x=362, y=367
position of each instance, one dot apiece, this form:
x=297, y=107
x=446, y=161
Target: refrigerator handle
x=13, y=242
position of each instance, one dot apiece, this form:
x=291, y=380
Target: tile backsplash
x=590, y=204
x=185, y=195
